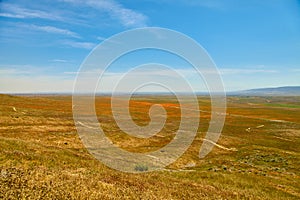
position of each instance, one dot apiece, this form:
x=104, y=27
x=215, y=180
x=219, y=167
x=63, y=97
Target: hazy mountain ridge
x=276, y=91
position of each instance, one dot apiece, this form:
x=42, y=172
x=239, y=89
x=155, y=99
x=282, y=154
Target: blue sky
x=253, y=43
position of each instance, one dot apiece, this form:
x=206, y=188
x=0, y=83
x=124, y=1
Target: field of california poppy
x=256, y=157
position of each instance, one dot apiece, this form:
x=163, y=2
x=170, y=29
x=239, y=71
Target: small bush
x=141, y=168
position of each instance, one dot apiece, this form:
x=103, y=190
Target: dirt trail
x=220, y=146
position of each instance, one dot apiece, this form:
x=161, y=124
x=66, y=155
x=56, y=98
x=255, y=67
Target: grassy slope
x=41, y=155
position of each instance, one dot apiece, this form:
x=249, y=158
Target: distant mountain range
x=276, y=91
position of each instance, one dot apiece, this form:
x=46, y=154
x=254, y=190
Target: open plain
x=256, y=157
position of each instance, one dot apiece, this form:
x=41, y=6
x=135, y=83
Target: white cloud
x=83, y=45
x=18, y=70
x=24, y=79
x=246, y=71
x=126, y=81
x=10, y=15
x=94, y=72
x=59, y=60
x=127, y=17
x=213, y=4
x=15, y=11
x=29, y=78
x=295, y=70
x=12, y=71
x=101, y=38
x=28, y=84
x=205, y=3
x=52, y=29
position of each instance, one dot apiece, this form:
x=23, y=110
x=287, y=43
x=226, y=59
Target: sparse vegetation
x=141, y=168
x=42, y=157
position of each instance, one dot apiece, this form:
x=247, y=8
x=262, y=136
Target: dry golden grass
x=42, y=157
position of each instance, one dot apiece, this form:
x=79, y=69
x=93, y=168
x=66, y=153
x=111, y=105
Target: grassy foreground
x=42, y=157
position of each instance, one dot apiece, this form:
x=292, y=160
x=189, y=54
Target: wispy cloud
x=21, y=70
x=94, y=72
x=101, y=38
x=11, y=15
x=216, y=4
x=295, y=70
x=13, y=71
x=54, y=30
x=246, y=71
x=15, y=11
x=38, y=83
x=184, y=72
x=126, y=16
x=213, y=4
x=83, y=45
x=58, y=60
x=145, y=73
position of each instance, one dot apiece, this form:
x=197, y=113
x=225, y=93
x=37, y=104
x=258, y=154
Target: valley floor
x=256, y=157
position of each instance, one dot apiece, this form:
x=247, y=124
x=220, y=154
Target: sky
x=253, y=43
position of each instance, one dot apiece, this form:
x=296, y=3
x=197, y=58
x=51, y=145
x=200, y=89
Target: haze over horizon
x=255, y=44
